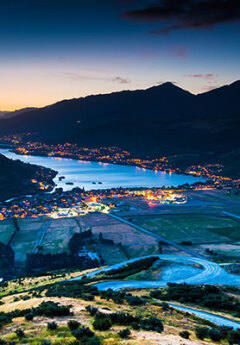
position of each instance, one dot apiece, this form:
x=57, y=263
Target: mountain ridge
x=163, y=119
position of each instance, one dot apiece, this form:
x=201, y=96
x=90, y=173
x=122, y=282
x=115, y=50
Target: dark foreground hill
x=161, y=120
x=16, y=178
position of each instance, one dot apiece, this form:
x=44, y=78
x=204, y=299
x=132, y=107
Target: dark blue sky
x=52, y=50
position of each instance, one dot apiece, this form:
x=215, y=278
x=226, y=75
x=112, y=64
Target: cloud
x=177, y=52
x=187, y=14
x=76, y=77
x=121, y=80
x=207, y=76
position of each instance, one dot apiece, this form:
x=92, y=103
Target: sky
x=60, y=49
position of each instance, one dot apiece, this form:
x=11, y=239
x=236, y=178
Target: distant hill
x=10, y=114
x=163, y=119
x=16, y=176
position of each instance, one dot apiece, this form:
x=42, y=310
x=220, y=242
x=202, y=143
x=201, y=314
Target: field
x=25, y=240
x=6, y=231
x=54, y=234
x=200, y=221
x=197, y=228
x=132, y=242
x=58, y=234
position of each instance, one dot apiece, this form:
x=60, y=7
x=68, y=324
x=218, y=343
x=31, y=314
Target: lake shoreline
x=41, y=154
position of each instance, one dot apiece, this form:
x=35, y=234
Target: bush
x=20, y=333
x=3, y=342
x=29, y=316
x=73, y=325
x=135, y=326
x=102, y=323
x=215, y=334
x=46, y=342
x=152, y=324
x=201, y=332
x=135, y=300
x=92, y=310
x=52, y=309
x=233, y=337
x=165, y=306
x=83, y=332
x=184, y=334
x=89, y=341
x=52, y=326
x=124, y=333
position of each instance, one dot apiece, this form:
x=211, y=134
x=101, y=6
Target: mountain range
x=161, y=120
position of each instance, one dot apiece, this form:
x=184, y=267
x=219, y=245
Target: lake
x=97, y=175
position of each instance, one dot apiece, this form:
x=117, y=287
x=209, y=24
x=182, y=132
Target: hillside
x=160, y=120
x=45, y=310
x=16, y=178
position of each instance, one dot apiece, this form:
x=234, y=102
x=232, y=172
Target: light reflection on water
x=98, y=175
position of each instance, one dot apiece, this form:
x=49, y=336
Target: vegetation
x=208, y=296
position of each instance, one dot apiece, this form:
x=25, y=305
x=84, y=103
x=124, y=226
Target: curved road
x=210, y=273
x=218, y=320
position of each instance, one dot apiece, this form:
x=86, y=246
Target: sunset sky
x=57, y=49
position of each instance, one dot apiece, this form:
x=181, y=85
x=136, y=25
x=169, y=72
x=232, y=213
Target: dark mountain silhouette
x=16, y=176
x=10, y=114
x=163, y=119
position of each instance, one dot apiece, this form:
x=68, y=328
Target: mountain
x=163, y=119
x=10, y=114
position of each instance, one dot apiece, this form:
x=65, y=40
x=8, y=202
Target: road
x=210, y=273
x=39, y=241
x=159, y=238
x=218, y=320
x=231, y=215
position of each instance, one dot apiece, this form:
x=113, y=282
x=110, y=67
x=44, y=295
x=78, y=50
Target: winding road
x=209, y=273
x=218, y=320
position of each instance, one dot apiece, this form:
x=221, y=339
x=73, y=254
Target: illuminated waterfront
x=97, y=175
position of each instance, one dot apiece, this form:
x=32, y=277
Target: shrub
x=233, y=337
x=184, y=334
x=20, y=333
x=165, y=306
x=135, y=300
x=201, y=332
x=73, y=325
x=83, y=332
x=92, y=310
x=125, y=333
x=135, y=326
x=52, y=309
x=90, y=341
x=102, y=323
x=29, y=316
x=215, y=334
x=152, y=324
x=3, y=342
x=46, y=342
x=52, y=326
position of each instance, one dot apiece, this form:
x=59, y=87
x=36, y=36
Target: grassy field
x=58, y=235
x=6, y=230
x=196, y=228
x=25, y=240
